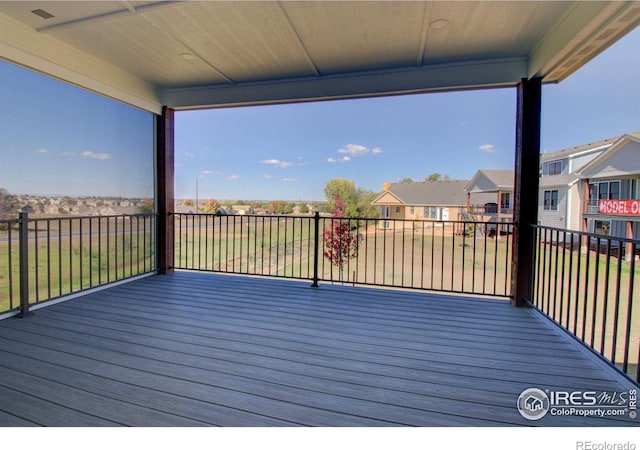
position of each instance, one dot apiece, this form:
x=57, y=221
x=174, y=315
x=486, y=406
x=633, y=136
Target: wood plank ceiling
x=220, y=53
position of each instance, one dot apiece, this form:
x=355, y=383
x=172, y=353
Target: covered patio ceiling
x=189, y=55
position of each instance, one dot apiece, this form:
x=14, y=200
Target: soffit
x=268, y=52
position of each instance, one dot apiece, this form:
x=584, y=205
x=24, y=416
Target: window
x=387, y=212
x=614, y=190
x=413, y=210
x=554, y=168
x=551, y=200
x=593, y=193
x=397, y=210
x=601, y=227
x=604, y=190
x=505, y=200
x=430, y=212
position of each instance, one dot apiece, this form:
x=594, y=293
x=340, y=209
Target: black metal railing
x=490, y=209
x=590, y=285
x=48, y=258
x=449, y=256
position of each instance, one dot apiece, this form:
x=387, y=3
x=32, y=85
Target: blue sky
x=50, y=145
x=56, y=139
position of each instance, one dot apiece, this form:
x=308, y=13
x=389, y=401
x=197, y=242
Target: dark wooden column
x=165, y=197
x=526, y=183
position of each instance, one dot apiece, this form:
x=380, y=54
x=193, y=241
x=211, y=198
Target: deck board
x=194, y=349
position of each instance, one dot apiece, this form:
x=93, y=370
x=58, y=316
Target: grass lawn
x=70, y=256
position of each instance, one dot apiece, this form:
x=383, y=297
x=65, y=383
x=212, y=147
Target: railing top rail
x=330, y=217
x=588, y=234
x=71, y=217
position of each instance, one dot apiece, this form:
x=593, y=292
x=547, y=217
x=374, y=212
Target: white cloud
x=42, y=151
x=67, y=154
x=102, y=156
x=342, y=160
x=487, y=148
x=233, y=177
x=277, y=163
x=209, y=172
x=189, y=154
x=354, y=149
x=291, y=180
x=268, y=177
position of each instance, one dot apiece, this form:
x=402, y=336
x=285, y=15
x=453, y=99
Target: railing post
x=23, y=243
x=316, y=247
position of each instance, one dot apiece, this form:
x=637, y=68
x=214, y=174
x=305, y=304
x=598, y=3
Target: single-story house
x=442, y=200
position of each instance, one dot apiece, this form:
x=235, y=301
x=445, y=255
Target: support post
x=23, y=243
x=526, y=184
x=629, y=253
x=585, y=211
x=165, y=194
x=316, y=247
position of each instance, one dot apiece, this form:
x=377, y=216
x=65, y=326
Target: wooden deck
x=193, y=349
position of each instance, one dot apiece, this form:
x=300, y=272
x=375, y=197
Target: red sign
x=619, y=207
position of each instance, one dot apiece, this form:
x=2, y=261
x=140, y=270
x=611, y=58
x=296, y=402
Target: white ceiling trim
x=25, y=47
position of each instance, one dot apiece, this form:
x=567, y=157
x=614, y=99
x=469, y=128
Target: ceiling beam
x=127, y=11
x=446, y=77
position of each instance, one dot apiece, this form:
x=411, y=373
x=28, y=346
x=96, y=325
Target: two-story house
x=610, y=190
x=490, y=194
x=559, y=198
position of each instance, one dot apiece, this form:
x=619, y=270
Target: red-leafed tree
x=341, y=238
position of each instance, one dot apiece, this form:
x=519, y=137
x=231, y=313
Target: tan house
x=424, y=201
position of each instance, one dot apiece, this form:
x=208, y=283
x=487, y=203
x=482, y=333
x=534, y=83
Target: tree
x=304, y=209
x=188, y=202
x=288, y=208
x=341, y=239
x=8, y=204
x=435, y=176
x=406, y=180
x=147, y=207
x=364, y=208
x=276, y=207
x=356, y=201
x=211, y=206
x=344, y=189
